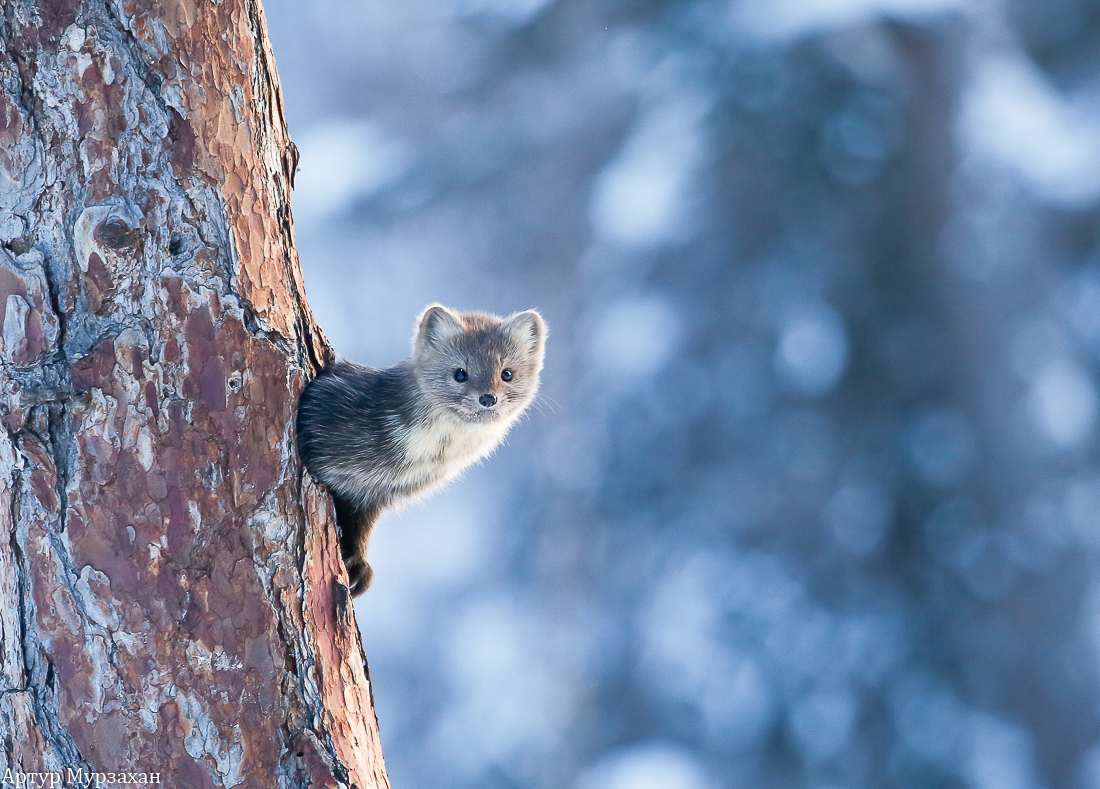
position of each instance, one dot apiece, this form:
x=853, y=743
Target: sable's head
x=479, y=366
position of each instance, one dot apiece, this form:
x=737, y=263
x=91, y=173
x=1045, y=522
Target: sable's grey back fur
x=350, y=421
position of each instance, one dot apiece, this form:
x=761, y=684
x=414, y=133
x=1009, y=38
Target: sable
x=380, y=437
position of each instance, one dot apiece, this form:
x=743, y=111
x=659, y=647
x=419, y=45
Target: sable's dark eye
x=506, y=375
x=461, y=375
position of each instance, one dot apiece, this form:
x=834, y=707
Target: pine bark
x=171, y=596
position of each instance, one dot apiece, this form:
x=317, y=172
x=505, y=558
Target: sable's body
x=380, y=437
x=373, y=440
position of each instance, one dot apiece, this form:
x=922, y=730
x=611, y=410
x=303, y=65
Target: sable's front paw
x=360, y=575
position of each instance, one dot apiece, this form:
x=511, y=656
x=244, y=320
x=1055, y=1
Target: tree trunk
x=171, y=597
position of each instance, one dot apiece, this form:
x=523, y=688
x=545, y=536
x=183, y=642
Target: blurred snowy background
x=813, y=498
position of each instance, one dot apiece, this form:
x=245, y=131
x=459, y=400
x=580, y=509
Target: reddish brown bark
x=171, y=598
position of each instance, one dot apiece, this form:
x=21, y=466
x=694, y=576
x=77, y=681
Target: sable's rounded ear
x=528, y=328
x=435, y=324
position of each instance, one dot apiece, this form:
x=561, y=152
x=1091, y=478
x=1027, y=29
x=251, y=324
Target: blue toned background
x=813, y=495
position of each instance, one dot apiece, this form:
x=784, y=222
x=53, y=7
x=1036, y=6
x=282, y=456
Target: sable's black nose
x=488, y=400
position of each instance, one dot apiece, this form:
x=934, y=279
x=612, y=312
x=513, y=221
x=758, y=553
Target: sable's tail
x=355, y=524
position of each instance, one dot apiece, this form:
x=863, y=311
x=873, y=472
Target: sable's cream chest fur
x=440, y=448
